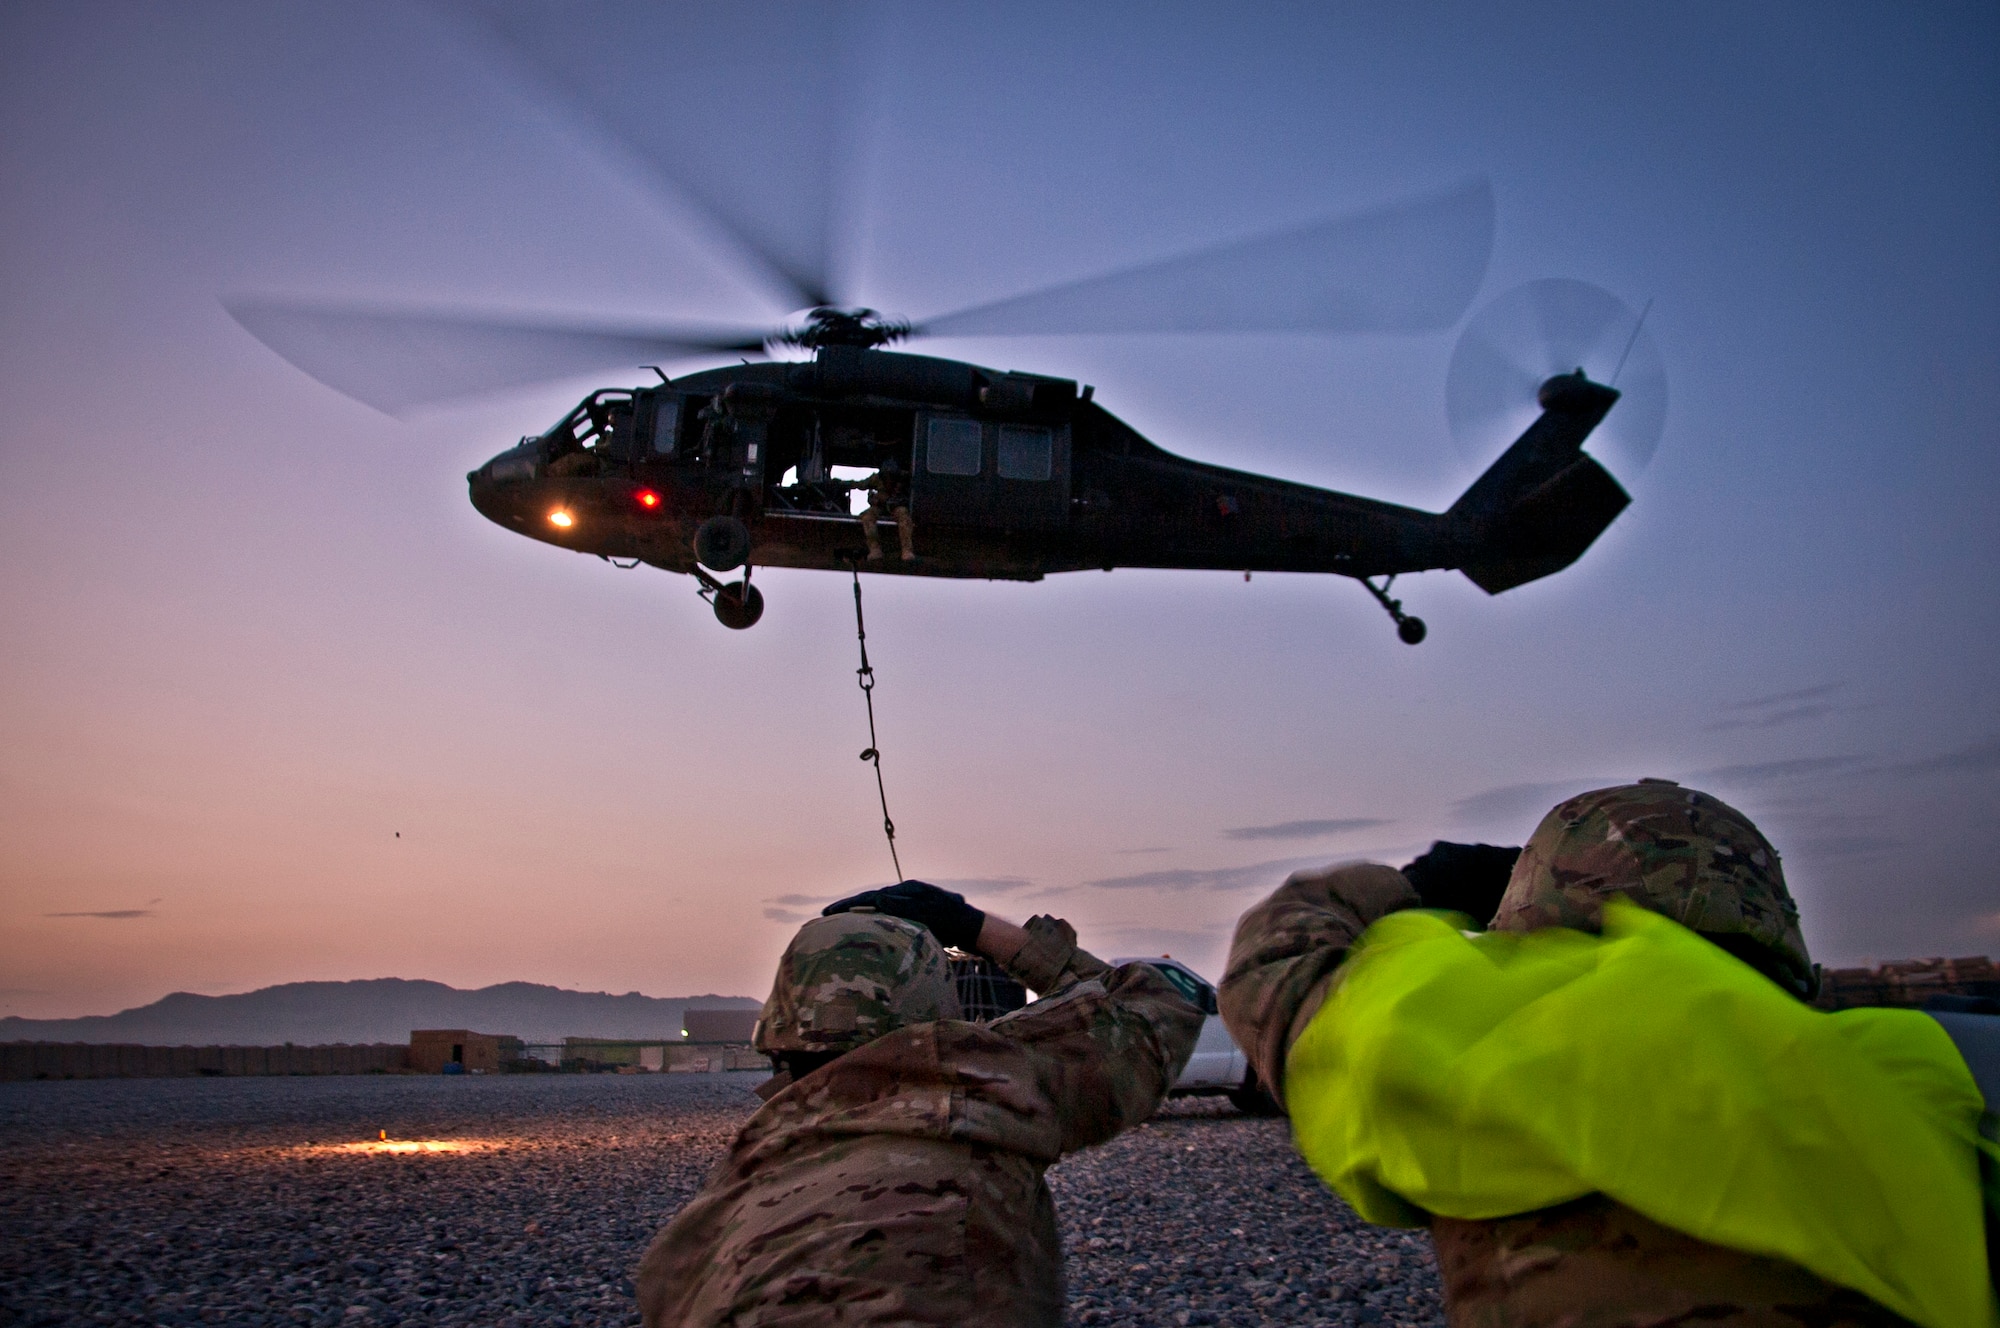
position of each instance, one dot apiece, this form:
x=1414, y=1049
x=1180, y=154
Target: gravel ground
x=237, y=1201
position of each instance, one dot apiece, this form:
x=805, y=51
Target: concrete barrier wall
x=640, y=1056
x=87, y=1060
x=711, y=1057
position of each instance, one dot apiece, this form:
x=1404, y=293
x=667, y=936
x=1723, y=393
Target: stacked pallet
x=1908, y=982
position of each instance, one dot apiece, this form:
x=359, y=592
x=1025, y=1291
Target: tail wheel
x=722, y=543
x=739, y=605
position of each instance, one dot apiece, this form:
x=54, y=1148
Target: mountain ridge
x=374, y=1010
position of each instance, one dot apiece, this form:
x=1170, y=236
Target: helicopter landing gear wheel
x=721, y=543
x=739, y=605
x=1409, y=628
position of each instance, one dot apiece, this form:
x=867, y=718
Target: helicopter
x=979, y=473
x=1009, y=476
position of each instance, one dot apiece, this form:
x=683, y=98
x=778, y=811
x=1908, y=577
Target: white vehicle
x=1217, y=1064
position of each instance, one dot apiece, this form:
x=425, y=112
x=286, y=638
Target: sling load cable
x=866, y=676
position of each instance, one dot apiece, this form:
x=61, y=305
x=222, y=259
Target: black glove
x=1465, y=878
x=949, y=918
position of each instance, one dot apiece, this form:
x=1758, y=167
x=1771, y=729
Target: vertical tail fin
x=1544, y=502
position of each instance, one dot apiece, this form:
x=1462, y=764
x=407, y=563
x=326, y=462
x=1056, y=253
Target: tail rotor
x=1535, y=331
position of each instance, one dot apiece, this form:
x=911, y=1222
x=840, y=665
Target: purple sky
x=252, y=630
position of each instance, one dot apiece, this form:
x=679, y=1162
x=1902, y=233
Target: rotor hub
x=828, y=326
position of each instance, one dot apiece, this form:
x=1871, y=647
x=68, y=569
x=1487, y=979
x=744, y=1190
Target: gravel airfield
x=261, y=1201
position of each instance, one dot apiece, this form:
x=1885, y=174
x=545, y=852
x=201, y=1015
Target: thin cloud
x=1305, y=829
x=983, y=885
x=1522, y=804
x=1766, y=772
x=1848, y=846
x=1141, y=850
x=1049, y=892
x=1813, y=693
x=1982, y=755
x=798, y=908
x=1264, y=874
x=1146, y=942
x=1771, y=719
x=1525, y=804
x=117, y=914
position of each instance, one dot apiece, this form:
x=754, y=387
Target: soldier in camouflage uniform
x=1591, y=1262
x=894, y=1174
x=888, y=495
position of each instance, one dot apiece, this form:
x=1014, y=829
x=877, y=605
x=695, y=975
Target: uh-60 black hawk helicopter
x=1007, y=476
x=1001, y=475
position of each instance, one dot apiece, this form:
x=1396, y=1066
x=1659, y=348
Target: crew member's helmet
x=847, y=979
x=1670, y=849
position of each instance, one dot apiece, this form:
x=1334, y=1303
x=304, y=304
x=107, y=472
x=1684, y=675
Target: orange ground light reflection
x=385, y=1144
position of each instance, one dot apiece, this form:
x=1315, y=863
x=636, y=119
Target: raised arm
x=1106, y=1043
x=1282, y=960
x=1102, y=1045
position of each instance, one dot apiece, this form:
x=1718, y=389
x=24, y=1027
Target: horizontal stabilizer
x=1549, y=528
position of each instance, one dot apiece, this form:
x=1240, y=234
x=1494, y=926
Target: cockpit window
x=598, y=432
x=594, y=418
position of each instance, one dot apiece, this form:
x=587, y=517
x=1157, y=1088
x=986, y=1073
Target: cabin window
x=952, y=447
x=1026, y=453
x=666, y=425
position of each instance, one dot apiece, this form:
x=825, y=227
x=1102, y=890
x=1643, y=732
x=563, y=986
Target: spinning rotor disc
x=1543, y=328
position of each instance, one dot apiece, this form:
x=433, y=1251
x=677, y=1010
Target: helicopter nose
x=516, y=463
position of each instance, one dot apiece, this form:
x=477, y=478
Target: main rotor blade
x=1412, y=267
x=736, y=104
x=393, y=360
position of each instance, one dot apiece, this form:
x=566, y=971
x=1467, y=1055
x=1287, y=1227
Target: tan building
x=432, y=1049
x=718, y=1025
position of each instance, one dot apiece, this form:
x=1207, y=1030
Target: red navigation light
x=647, y=498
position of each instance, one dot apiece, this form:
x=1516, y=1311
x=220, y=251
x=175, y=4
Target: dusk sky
x=277, y=704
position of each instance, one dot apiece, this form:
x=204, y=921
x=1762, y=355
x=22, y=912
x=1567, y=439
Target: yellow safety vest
x=1493, y=1074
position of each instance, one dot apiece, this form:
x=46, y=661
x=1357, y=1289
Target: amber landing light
x=561, y=520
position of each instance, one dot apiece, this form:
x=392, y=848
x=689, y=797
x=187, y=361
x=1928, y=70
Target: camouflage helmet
x=847, y=979
x=1670, y=849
